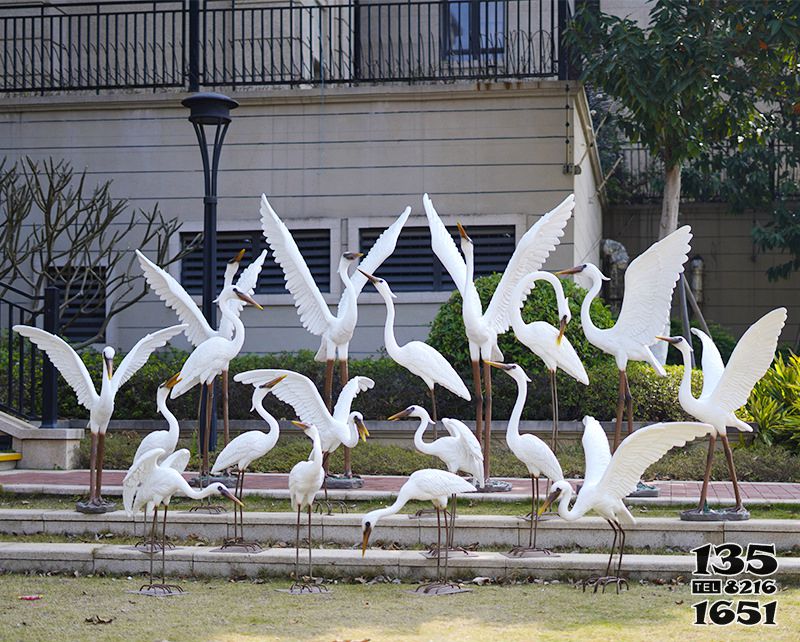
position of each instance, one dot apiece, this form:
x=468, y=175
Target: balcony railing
x=127, y=45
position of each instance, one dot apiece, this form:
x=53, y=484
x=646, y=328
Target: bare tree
x=60, y=231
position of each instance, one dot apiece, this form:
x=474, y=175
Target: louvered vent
x=85, y=309
x=413, y=267
x=314, y=245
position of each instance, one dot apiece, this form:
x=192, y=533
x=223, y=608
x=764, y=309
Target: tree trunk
x=671, y=201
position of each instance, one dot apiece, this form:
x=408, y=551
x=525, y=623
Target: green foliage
x=775, y=403
x=723, y=339
x=448, y=336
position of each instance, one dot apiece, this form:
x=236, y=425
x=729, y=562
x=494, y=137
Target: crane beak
x=239, y=256
x=672, y=340
x=228, y=494
x=365, y=540
x=562, y=328
x=248, y=299
x=352, y=256
x=463, y=233
x=573, y=270
x=550, y=499
x=362, y=429
x=301, y=425
x=400, y=415
x=371, y=278
x=172, y=381
x=273, y=383
x=109, y=367
x=502, y=366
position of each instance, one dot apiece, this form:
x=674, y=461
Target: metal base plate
x=85, y=506
x=438, y=589
x=644, y=490
x=340, y=482
x=495, y=486
x=521, y=552
x=729, y=514
x=544, y=517
x=201, y=481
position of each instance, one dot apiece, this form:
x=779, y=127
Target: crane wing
x=595, y=449
x=465, y=437
x=437, y=483
x=247, y=282
x=444, y=247
x=314, y=313
x=178, y=460
x=750, y=361
x=713, y=367
x=139, y=471
x=296, y=389
x=141, y=352
x=642, y=449
x=532, y=251
x=380, y=251
x=349, y=392
x=172, y=293
x=66, y=360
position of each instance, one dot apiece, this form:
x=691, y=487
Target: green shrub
x=775, y=403
x=723, y=339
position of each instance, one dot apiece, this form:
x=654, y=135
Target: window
x=473, y=28
x=413, y=267
x=314, y=245
x=82, y=293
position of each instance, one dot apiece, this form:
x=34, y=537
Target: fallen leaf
x=96, y=619
x=31, y=598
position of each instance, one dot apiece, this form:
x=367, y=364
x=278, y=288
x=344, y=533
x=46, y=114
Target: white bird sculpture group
x=157, y=472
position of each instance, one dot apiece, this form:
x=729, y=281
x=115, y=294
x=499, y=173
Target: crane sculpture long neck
x=517, y=323
x=349, y=296
x=685, y=396
x=420, y=445
x=403, y=498
x=571, y=514
x=388, y=328
x=589, y=328
x=472, y=302
x=316, y=450
x=274, y=428
x=172, y=420
x=238, y=327
x=191, y=493
x=512, y=431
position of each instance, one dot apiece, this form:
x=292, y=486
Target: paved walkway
x=377, y=485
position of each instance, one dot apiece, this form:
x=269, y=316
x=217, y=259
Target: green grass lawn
x=229, y=611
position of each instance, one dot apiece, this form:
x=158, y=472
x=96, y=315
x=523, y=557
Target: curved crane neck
x=274, y=428
x=403, y=498
x=418, y=443
x=172, y=420
x=238, y=327
x=472, y=302
x=571, y=514
x=512, y=431
x=518, y=302
x=388, y=328
x=589, y=328
x=349, y=295
x=316, y=450
x=190, y=492
x=685, y=396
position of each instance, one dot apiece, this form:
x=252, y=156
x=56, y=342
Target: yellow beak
x=365, y=540
x=562, y=328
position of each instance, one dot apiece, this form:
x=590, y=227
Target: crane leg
x=325, y=457
x=534, y=513
x=92, y=468
x=476, y=385
x=297, y=548
x=153, y=542
x=344, y=377
x=487, y=421
x=310, y=572
x=207, y=431
x=620, y=410
x=164, y=547
x=434, y=414
x=629, y=404
x=732, y=470
x=438, y=544
x=554, y=405
x=329, y=384
x=712, y=444
x=101, y=451
x=226, y=434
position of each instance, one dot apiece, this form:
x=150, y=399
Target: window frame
x=474, y=52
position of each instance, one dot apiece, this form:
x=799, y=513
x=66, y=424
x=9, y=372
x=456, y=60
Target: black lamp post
x=212, y=111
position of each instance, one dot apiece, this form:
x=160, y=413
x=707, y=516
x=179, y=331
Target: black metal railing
x=186, y=44
x=30, y=386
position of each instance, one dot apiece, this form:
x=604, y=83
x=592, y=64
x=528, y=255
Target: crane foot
x=604, y=581
x=439, y=588
x=434, y=550
x=529, y=551
x=304, y=588
x=238, y=544
x=211, y=509
x=160, y=590
x=328, y=510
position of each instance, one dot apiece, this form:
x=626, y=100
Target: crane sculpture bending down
x=649, y=282
x=726, y=389
x=101, y=406
x=198, y=330
x=436, y=486
x=335, y=332
x=337, y=428
x=415, y=356
x=609, y=479
x=482, y=327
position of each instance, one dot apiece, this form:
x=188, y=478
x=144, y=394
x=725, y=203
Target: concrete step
x=333, y=563
x=488, y=531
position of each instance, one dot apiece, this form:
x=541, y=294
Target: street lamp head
x=209, y=108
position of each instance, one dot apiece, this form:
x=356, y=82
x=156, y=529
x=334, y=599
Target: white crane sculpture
x=165, y=439
x=198, y=330
x=415, y=356
x=547, y=342
x=649, y=282
x=212, y=357
x=101, y=406
x=726, y=389
x=149, y=485
x=531, y=451
x=609, y=479
x=335, y=332
x=436, y=486
x=305, y=480
x=482, y=327
x=341, y=427
x=242, y=451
